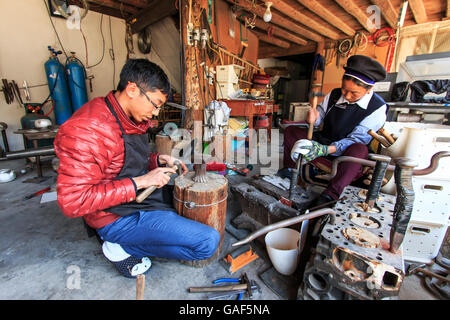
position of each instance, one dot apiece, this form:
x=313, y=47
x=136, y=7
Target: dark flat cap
x=365, y=69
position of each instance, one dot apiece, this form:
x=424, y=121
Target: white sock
x=114, y=252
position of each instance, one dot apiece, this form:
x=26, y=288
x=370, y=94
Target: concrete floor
x=44, y=255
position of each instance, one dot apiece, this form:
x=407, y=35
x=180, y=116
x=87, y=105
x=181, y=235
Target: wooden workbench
x=251, y=108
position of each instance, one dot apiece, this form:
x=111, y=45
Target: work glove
x=309, y=149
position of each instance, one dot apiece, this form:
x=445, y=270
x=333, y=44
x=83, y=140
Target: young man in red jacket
x=105, y=159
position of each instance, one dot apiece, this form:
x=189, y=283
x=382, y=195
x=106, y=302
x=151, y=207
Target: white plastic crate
x=225, y=89
x=228, y=73
x=423, y=241
x=419, y=142
x=431, y=200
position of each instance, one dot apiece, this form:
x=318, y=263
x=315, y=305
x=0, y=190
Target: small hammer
x=144, y=194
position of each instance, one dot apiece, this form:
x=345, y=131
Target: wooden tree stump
x=205, y=203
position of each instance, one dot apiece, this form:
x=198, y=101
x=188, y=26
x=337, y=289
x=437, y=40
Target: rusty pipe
x=434, y=163
x=286, y=223
x=404, y=202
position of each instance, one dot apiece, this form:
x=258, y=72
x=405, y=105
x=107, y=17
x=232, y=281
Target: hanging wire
x=103, y=44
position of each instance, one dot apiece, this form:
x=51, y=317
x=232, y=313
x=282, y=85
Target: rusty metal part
x=361, y=237
x=286, y=223
x=341, y=268
x=415, y=269
x=381, y=165
x=433, y=164
x=404, y=202
x=3, y=127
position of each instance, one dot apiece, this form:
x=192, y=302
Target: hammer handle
x=144, y=194
x=311, y=125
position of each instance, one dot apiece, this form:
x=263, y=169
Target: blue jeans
x=162, y=234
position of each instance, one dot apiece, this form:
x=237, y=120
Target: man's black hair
x=146, y=74
x=357, y=82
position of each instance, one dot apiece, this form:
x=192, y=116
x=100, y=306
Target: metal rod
x=404, y=202
x=286, y=223
x=433, y=164
x=382, y=163
x=44, y=151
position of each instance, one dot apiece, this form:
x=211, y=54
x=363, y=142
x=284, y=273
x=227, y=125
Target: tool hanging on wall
x=145, y=41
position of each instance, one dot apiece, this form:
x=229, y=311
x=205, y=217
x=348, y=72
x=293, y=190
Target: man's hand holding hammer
x=159, y=177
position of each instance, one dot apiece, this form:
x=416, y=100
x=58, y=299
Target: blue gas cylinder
x=76, y=78
x=58, y=87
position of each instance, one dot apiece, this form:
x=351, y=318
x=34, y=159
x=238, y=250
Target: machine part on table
x=286, y=223
x=382, y=163
x=277, y=181
x=294, y=177
x=239, y=258
x=351, y=262
x=404, y=202
x=148, y=191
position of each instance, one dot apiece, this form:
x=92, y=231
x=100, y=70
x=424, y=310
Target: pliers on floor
x=230, y=280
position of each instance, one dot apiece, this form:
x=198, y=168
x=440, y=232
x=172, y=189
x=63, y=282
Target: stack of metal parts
x=352, y=258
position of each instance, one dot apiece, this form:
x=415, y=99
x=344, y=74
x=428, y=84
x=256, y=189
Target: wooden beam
x=328, y=16
x=280, y=32
x=272, y=40
x=447, y=15
x=418, y=10
x=137, y=3
x=387, y=11
x=278, y=20
x=293, y=10
x=268, y=51
x=154, y=13
x=103, y=10
x=115, y=5
x=359, y=14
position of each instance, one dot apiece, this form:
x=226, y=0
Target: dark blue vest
x=338, y=123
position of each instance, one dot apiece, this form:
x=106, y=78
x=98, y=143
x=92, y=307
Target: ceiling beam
x=115, y=5
x=137, y=3
x=157, y=11
x=271, y=40
x=103, y=10
x=359, y=14
x=387, y=11
x=328, y=16
x=268, y=51
x=280, y=32
x=418, y=10
x=278, y=20
x=293, y=10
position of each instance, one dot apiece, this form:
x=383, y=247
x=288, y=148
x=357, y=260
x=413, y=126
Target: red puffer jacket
x=91, y=154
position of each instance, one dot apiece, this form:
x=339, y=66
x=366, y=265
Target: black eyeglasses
x=148, y=98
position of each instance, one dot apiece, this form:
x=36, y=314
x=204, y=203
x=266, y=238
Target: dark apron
x=136, y=163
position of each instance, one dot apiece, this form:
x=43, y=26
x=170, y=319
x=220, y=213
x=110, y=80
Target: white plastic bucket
x=283, y=249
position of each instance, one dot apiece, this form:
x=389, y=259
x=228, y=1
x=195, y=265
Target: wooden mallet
x=315, y=96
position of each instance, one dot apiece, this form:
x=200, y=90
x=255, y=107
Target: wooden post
x=140, y=286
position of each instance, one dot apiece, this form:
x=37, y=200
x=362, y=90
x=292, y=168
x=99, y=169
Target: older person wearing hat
x=346, y=115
